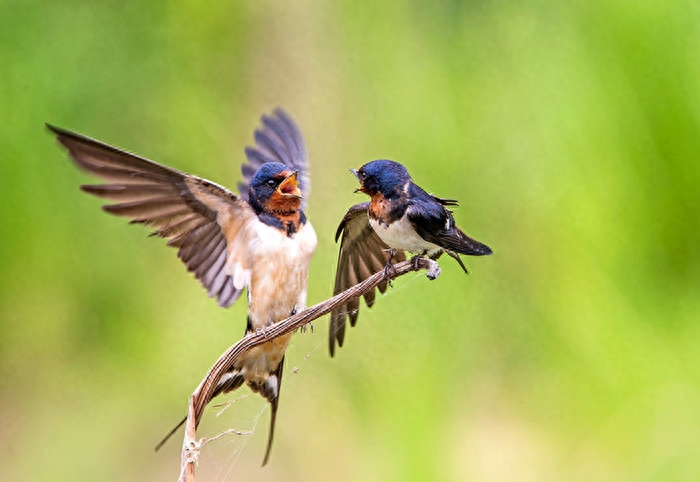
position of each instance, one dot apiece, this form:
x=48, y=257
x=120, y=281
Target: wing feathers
x=182, y=208
x=193, y=242
x=205, y=264
x=435, y=224
x=153, y=211
x=275, y=148
x=278, y=140
x=362, y=253
x=179, y=224
x=256, y=159
x=129, y=193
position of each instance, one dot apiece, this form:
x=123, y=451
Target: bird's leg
x=390, y=267
x=414, y=259
x=310, y=324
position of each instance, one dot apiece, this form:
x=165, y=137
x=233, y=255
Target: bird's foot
x=310, y=326
x=415, y=260
x=262, y=331
x=389, y=269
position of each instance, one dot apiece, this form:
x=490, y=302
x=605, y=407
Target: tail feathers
x=170, y=434
x=463, y=244
x=456, y=257
x=459, y=260
x=271, y=390
x=229, y=382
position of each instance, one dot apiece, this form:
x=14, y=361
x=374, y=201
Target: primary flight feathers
x=182, y=207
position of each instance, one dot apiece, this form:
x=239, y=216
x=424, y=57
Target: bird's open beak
x=290, y=186
x=361, y=188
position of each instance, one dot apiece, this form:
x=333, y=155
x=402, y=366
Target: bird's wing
x=434, y=223
x=362, y=253
x=197, y=216
x=445, y=201
x=278, y=140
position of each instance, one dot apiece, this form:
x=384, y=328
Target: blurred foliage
x=568, y=131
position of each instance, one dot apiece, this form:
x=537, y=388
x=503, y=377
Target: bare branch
x=202, y=395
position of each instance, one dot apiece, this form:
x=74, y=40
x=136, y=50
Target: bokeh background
x=569, y=131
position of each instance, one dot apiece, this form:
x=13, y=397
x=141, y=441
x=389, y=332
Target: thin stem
x=202, y=395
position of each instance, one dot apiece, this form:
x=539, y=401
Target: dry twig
x=202, y=395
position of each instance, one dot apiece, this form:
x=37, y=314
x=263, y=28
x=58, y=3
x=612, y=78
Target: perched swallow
x=400, y=217
x=259, y=239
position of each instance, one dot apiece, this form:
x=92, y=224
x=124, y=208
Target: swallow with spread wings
x=259, y=239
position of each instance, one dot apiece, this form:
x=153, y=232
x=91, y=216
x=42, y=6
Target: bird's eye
x=271, y=182
x=363, y=175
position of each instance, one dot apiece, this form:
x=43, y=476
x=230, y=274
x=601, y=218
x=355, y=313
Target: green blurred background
x=569, y=131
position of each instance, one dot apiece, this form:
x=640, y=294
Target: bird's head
x=388, y=178
x=275, y=189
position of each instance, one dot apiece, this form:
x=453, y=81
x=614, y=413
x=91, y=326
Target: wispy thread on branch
x=202, y=395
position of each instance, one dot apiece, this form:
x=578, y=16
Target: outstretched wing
x=197, y=216
x=278, y=140
x=362, y=253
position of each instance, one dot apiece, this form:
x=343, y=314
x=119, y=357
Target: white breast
x=279, y=272
x=401, y=235
x=279, y=268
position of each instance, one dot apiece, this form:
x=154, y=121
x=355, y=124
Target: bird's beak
x=290, y=186
x=361, y=188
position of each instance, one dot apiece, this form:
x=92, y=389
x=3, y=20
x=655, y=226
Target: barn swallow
x=400, y=217
x=259, y=239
